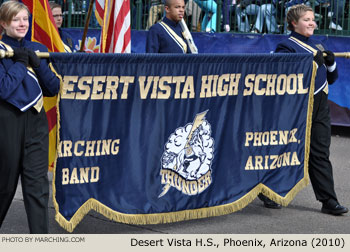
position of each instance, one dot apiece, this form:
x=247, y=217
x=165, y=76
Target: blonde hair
x=10, y=9
x=296, y=12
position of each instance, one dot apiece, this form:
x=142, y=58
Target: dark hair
x=168, y=2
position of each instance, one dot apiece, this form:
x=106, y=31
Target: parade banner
x=228, y=43
x=147, y=139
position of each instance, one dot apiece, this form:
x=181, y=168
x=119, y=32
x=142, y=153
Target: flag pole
x=87, y=21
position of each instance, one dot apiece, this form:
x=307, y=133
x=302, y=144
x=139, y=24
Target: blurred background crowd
x=238, y=16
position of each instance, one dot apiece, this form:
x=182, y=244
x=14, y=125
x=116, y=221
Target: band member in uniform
x=166, y=36
x=301, y=22
x=58, y=17
x=24, y=79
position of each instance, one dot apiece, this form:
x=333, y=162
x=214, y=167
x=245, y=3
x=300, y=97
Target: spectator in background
x=336, y=12
x=156, y=12
x=243, y=9
x=228, y=5
x=58, y=17
x=209, y=20
x=263, y=9
x=268, y=13
x=194, y=11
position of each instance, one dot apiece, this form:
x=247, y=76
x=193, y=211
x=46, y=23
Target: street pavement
x=301, y=216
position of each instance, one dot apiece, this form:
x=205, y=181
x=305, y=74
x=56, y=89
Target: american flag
x=114, y=18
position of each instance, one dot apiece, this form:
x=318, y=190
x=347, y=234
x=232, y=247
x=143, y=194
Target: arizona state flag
x=44, y=31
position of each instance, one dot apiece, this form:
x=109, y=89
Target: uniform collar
x=13, y=42
x=299, y=36
x=170, y=22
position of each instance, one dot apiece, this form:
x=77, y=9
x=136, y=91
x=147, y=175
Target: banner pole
x=342, y=54
x=9, y=54
x=87, y=21
x=4, y=54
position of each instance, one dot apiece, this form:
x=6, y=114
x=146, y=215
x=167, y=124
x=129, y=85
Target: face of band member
x=176, y=10
x=58, y=17
x=306, y=24
x=18, y=27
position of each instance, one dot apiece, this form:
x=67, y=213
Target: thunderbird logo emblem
x=186, y=161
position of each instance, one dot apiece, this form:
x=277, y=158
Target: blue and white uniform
x=320, y=167
x=166, y=37
x=66, y=40
x=297, y=43
x=23, y=87
x=24, y=133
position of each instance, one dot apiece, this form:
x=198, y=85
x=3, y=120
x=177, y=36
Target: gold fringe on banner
x=305, y=181
x=161, y=218
x=169, y=217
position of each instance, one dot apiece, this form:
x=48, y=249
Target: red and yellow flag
x=44, y=31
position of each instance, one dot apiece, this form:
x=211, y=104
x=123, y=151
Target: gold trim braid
x=176, y=37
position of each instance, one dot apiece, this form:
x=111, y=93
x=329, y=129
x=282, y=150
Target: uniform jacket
x=67, y=40
x=323, y=75
x=21, y=86
x=161, y=41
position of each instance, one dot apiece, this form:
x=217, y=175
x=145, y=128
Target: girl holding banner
x=24, y=79
x=301, y=22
